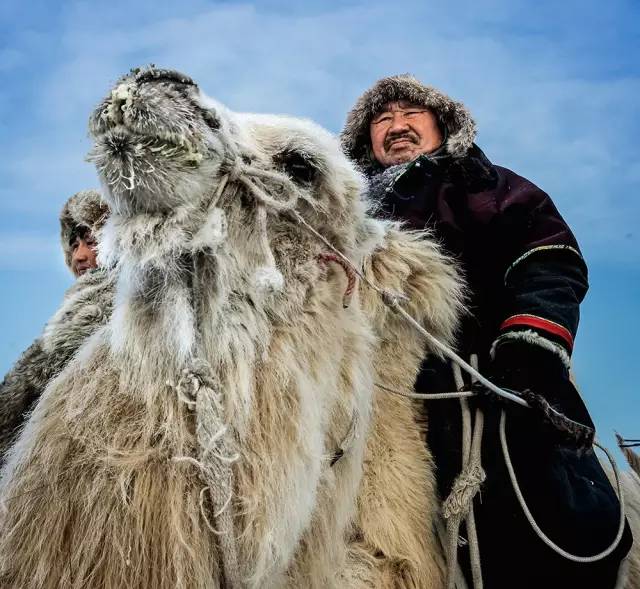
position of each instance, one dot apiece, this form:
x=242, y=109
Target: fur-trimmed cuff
x=554, y=330
x=532, y=337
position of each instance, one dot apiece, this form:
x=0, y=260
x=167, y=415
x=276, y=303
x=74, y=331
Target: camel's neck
x=154, y=319
x=180, y=280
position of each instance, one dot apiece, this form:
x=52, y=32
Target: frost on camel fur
x=224, y=427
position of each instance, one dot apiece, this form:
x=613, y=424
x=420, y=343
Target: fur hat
x=84, y=209
x=453, y=117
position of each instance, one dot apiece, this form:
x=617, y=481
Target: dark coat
x=526, y=280
x=522, y=263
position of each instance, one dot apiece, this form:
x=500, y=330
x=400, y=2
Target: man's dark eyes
x=405, y=114
x=92, y=243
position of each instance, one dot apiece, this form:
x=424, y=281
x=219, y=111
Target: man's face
x=402, y=131
x=83, y=253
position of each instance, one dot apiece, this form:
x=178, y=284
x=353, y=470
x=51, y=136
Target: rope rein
x=532, y=521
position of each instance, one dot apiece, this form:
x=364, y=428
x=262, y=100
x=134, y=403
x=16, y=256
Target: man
x=526, y=279
x=82, y=215
x=83, y=252
x=87, y=305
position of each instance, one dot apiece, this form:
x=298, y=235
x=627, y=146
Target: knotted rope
x=199, y=391
x=458, y=506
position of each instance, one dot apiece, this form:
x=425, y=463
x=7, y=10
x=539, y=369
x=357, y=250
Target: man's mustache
x=408, y=135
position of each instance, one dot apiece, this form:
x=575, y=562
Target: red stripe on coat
x=540, y=323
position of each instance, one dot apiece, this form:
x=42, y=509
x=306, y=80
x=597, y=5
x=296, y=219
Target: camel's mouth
x=120, y=142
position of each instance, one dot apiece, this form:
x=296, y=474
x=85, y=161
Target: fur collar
x=471, y=173
x=453, y=116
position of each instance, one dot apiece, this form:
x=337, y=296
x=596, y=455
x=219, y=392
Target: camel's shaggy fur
x=86, y=306
x=631, y=484
x=229, y=361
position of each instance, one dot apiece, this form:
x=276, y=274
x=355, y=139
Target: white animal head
x=189, y=181
x=155, y=142
x=160, y=143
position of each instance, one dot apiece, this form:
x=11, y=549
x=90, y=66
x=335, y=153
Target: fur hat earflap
x=454, y=118
x=84, y=209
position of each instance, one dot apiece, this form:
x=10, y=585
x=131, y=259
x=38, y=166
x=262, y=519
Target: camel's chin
x=137, y=170
x=140, y=201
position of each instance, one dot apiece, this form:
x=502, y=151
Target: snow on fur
x=109, y=484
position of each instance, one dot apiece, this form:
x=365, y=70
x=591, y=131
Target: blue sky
x=554, y=87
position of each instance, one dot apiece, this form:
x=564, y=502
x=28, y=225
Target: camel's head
x=156, y=140
x=160, y=143
x=162, y=148
x=254, y=201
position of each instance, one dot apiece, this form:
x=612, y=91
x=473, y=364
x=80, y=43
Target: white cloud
x=570, y=133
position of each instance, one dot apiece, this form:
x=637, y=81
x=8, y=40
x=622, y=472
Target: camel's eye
x=211, y=120
x=296, y=165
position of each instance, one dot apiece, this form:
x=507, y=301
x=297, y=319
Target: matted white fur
x=115, y=458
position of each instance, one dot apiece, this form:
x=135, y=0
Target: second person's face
x=83, y=254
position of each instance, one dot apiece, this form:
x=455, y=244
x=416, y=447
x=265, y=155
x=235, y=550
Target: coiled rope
x=532, y=521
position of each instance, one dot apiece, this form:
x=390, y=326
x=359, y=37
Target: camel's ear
x=299, y=166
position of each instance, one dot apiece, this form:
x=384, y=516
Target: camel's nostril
x=157, y=75
x=121, y=92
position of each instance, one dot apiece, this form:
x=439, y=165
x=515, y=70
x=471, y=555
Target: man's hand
x=557, y=412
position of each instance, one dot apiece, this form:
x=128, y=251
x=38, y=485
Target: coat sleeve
x=545, y=275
